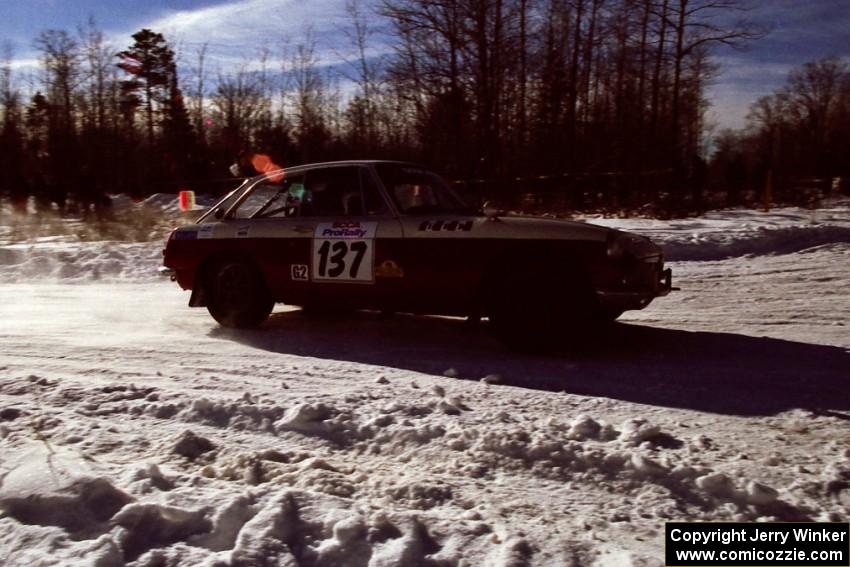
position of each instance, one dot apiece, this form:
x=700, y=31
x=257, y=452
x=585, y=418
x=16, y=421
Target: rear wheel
x=238, y=295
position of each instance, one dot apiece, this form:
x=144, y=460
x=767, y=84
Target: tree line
x=796, y=146
x=552, y=103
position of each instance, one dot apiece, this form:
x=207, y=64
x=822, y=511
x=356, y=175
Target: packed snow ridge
x=316, y=494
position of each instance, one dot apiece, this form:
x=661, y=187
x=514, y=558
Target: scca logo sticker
x=346, y=224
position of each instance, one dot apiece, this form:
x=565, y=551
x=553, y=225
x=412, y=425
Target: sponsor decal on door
x=344, y=252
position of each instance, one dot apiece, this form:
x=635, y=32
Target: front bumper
x=165, y=271
x=637, y=297
x=665, y=284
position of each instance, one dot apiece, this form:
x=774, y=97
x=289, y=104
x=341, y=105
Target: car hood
x=521, y=227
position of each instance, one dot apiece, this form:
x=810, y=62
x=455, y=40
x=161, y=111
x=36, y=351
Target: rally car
x=393, y=236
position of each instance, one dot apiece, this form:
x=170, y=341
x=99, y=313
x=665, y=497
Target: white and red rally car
x=393, y=236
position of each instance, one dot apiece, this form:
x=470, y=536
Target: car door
x=264, y=226
x=441, y=253
x=335, y=239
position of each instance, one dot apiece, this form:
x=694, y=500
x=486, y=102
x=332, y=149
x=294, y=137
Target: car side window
x=347, y=191
x=280, y=198
x=332, y=191
x=418, y=191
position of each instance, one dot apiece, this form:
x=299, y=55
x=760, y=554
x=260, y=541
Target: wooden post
x=767, y=196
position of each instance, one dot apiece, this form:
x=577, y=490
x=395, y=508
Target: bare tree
x=696, y=29
x=802, y=129
x=60, y=58
x=267, y=85
x=366, y=69
x=98, y=72
x=309, y=98
x=236, y=103
x=11, y=135
x=813, y=94
x=9, y=97
x=197, y=91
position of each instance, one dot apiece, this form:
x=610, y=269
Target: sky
x=799, y=31
x=237, y=30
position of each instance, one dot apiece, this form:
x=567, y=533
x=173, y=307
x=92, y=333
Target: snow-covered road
x=133, y=430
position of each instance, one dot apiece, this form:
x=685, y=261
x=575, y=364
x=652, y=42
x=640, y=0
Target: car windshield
x=415, y=190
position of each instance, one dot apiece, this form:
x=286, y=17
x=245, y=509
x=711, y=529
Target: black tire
x=540, y=312
x=608, y=315
x=238, y=296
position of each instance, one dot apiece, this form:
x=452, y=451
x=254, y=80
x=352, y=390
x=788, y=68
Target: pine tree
x=150, y=64
x=154, y=89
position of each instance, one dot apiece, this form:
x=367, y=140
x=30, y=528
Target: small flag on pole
x=187, y=200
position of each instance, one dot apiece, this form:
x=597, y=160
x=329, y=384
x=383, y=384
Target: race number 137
x=343, y=260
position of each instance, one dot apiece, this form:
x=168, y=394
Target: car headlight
x=617, y=245
x=622, y=244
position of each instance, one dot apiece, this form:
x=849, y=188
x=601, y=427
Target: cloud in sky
x=235, y=32
x=741, y=82
x=24, y=64
x=250, y=23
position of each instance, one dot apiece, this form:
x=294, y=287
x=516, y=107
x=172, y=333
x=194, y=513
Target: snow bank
x=739, y=232
x=127, y=248
x=715, y=236
x=80, y=262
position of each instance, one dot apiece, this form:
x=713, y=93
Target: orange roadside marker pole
x=767, y=197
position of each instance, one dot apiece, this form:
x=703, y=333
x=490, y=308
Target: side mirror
x=491, y=211
x=219, y=213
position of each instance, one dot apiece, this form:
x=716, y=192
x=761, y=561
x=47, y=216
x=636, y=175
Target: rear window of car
x=415, y=190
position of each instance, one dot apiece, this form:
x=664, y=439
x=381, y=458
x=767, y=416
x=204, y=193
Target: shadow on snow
x=715, y=372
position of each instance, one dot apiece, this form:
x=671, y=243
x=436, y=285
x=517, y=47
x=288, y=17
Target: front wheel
x=549, y=315
x=239, y=297
x=608, y=314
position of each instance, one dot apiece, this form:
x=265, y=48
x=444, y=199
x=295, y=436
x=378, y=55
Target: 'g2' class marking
x=299, y=273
